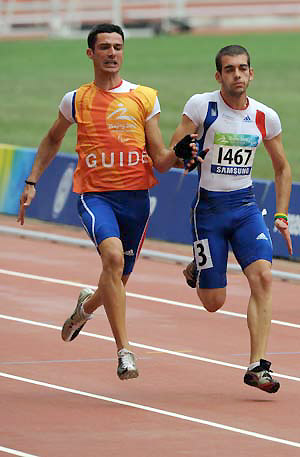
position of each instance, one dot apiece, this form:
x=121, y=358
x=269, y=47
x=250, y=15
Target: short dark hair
x=232, y=50
x=103, y=28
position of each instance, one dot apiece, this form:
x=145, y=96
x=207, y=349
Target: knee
x=266, y=279
x=213, y=305
x=261, y=280
x=113, y=262
x=212, y=302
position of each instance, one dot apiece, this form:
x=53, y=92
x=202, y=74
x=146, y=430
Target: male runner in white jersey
x=224, y=210
x=118, y=143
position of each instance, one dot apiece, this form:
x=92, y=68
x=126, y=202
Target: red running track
x=64, y=399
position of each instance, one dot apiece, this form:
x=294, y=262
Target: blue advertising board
x=55, y=201
x=170, y=199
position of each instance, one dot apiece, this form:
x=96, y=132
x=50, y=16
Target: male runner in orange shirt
x=118, y=142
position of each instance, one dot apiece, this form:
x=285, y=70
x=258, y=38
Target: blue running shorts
x=220, y=219
x=122, y=214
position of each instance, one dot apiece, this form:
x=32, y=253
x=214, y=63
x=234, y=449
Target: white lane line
x=43, y=278
x=145, y=346
x=201, y=308
x=14, y=452
x=153, y=410
x=133, y=295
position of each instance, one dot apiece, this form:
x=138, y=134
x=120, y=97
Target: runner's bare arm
x=185, y=131
x=47, y=150
x=162, y=157
x=283, y=183
x=185, y=127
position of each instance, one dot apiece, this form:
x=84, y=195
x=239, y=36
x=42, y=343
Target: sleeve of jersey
x=273, y=125
x=156, y=109
x=192, y=109
x=67, y=106
x=148, y=97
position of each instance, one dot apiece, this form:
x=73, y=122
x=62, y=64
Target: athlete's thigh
x=251, y=239
x=210, y=250
x=133, y=216
x=98, y=217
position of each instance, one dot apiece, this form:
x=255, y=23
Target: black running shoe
x=190, y=274
x=261, y=378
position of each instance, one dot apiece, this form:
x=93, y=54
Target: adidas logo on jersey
x=262, y=236
x=247, y=118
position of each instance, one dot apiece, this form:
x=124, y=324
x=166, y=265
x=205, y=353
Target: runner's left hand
x=283, y=228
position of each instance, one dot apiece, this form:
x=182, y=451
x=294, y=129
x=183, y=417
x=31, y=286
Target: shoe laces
x=267, y=375
x=77, y=317
x=126, y=358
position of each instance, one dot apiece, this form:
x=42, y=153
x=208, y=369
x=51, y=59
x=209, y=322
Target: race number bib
x=233, y=153
x=202, y=254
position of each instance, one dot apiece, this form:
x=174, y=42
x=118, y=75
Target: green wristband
x=280, y=216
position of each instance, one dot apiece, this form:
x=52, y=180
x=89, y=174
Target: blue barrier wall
x=170, y=200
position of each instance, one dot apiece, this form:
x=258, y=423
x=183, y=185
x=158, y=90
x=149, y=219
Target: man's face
x=235, y=75
x=107, y=54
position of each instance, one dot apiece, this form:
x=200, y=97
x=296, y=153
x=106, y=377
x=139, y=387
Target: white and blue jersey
x=224, y=210
x=232, y=137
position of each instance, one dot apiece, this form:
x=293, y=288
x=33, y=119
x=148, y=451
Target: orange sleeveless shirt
x=111, y=139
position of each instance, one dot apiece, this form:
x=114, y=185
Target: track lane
x=173, y=383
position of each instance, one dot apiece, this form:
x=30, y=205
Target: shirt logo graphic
x=247, y=119
x=120, y=123
x=234, y=139
x=262, y=236
x=120, y=113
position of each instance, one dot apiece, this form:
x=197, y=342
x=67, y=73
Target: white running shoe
x=74, y=324
x=126, y=365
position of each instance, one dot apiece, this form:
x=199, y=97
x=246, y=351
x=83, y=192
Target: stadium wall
x=68, y=17
x=170, y=200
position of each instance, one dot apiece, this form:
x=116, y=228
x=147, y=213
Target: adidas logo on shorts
x=130, y=252
x=262, y=236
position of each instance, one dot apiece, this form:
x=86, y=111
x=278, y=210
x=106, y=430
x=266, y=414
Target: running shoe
x=261, y=378
x=126, y=365
x=190, y=274
x=74, y=324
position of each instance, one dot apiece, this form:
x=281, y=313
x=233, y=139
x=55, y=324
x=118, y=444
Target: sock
x=253, y=365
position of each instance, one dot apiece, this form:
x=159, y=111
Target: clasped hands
x=188, y=149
